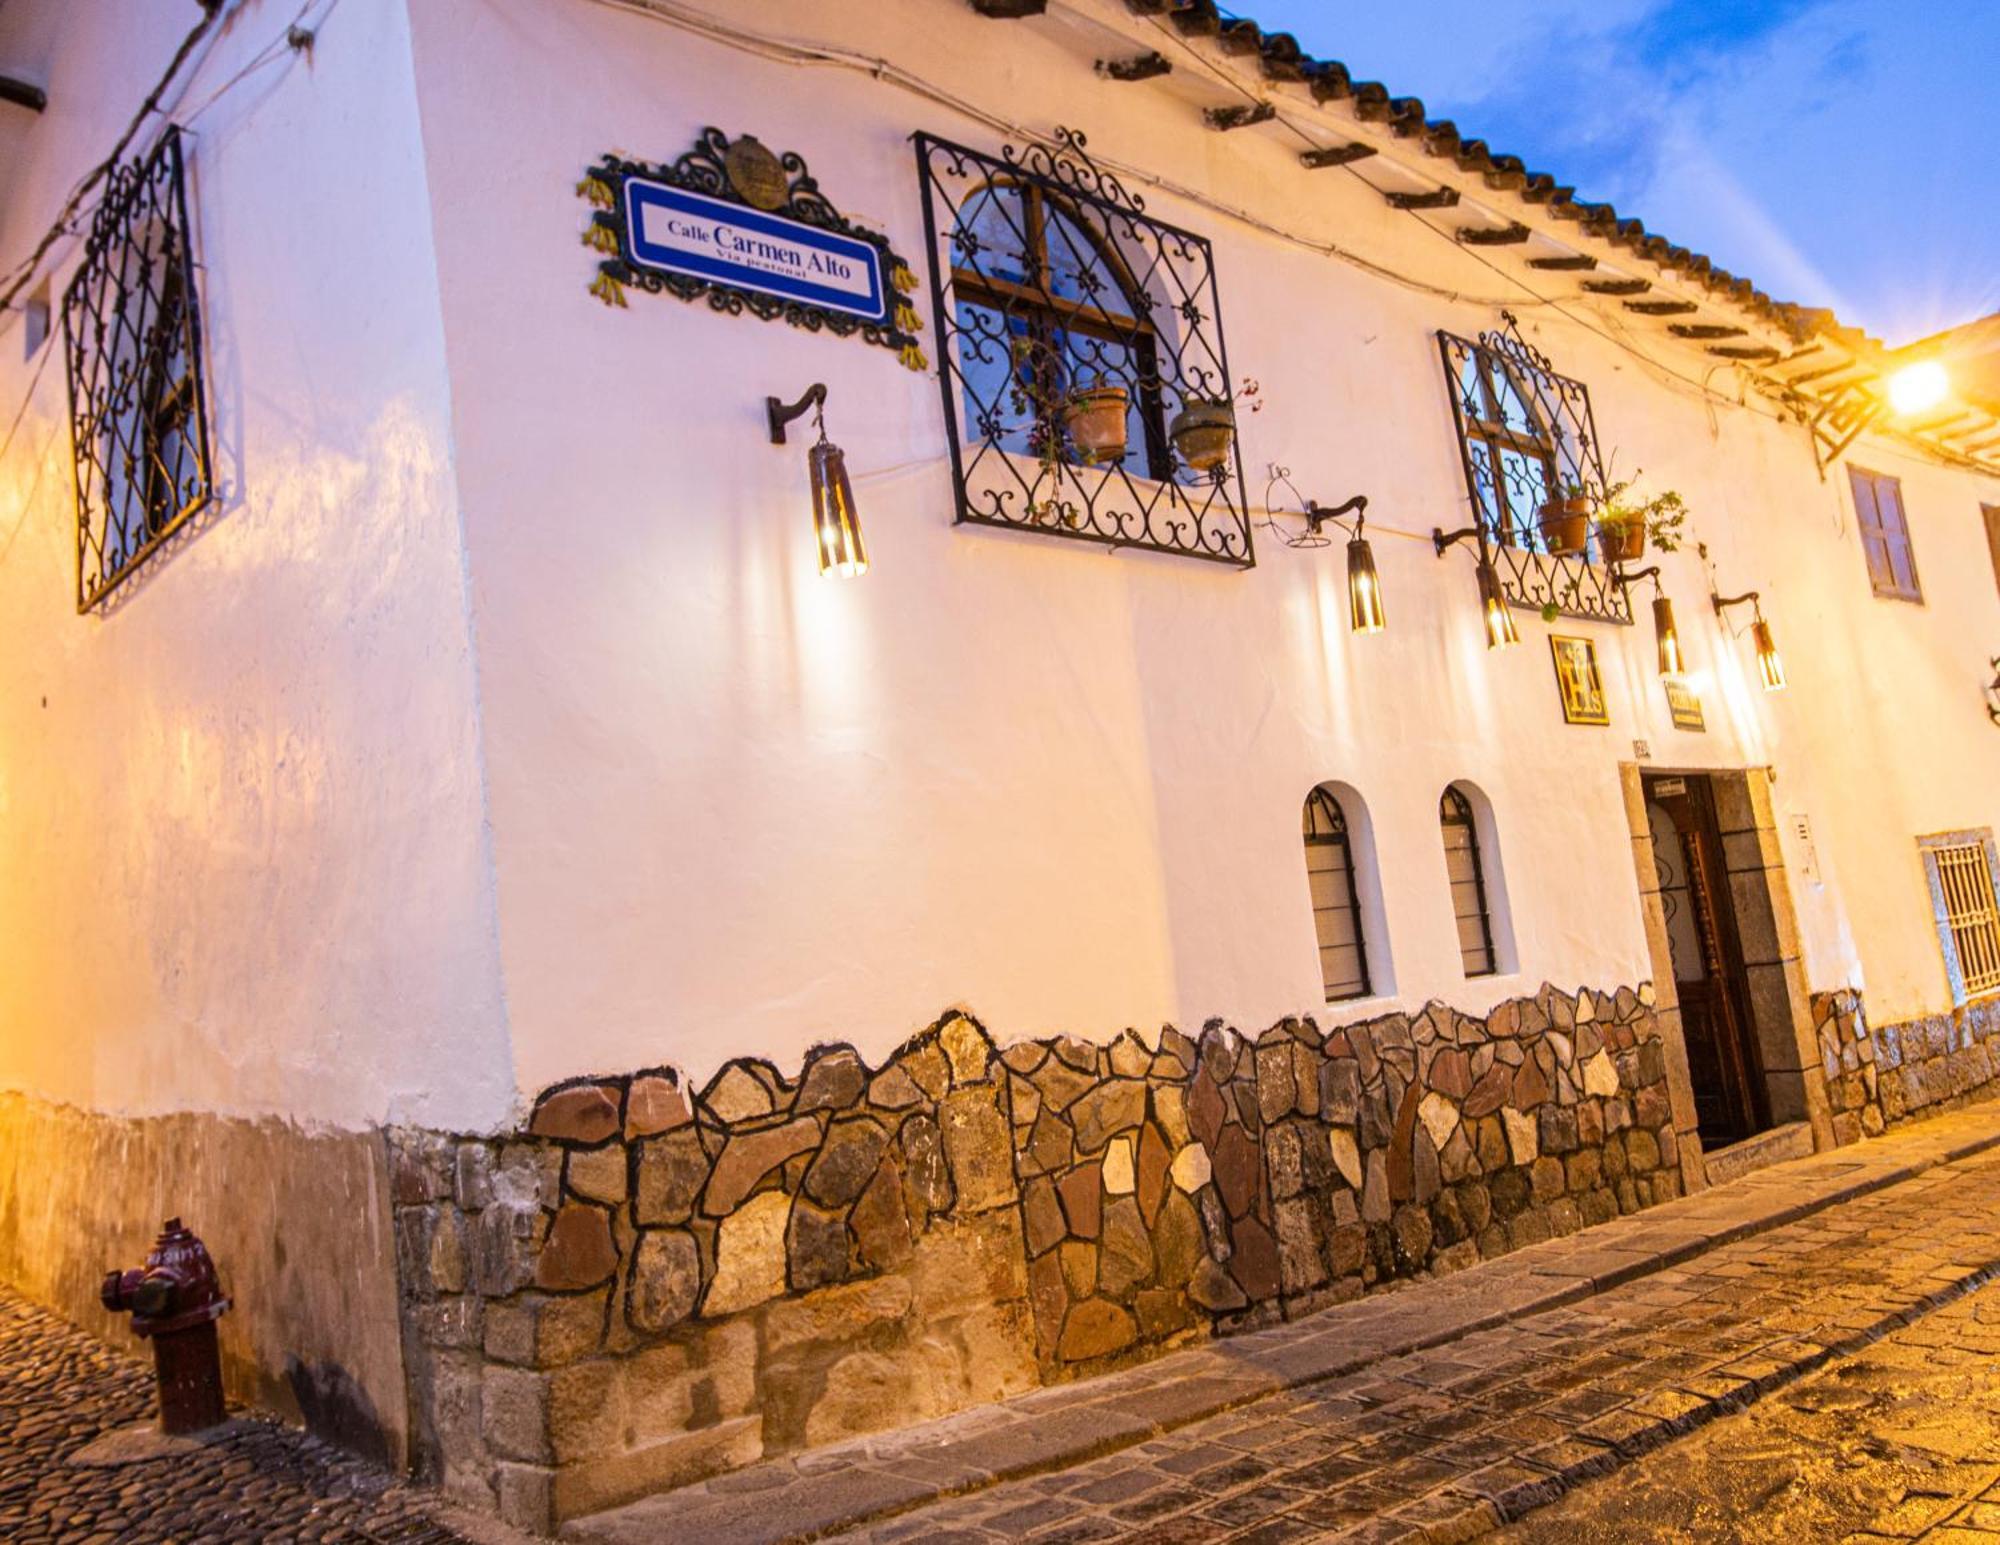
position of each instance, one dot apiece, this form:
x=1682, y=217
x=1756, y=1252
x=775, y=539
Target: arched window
x=1468, y=884
x=1343, y=952
x=1047, y=306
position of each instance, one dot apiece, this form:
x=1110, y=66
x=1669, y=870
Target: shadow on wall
x=335, y=1407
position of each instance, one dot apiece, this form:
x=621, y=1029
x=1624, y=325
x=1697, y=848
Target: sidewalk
x=1434, y=1412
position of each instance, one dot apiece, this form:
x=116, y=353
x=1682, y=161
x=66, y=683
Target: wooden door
x=1713, y=987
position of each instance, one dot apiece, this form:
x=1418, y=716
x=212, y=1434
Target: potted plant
x=1626, y=525
x=1565, y=521
x=1094, y=418
x=1203, y=432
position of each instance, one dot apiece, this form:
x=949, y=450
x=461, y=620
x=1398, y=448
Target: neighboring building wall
x=249, y=917
x=647, y=1286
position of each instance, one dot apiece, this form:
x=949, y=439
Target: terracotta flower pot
x=1203, y=433
x=1095, y=419
x=1622, y=543
x=1565, y=526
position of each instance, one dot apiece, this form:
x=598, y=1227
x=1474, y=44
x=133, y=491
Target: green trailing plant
x=1663, y=517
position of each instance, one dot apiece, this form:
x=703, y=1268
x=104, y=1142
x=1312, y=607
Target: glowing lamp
x=836, y=528
x=1364, y=588
x=1672, y=663
x=1499, y=618
x=836, y=524
x=1770, y=665
x=1918, y=387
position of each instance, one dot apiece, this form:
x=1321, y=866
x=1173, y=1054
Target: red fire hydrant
x=175, y=1301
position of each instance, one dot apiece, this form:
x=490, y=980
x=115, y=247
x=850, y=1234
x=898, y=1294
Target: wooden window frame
x=1325, y=827
x=1990, y=514
x=1455, y=812
x=1883, y=539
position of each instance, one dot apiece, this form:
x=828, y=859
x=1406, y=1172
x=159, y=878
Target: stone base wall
x=1877, y=1075
x=649, y=1284
x=298, y=1221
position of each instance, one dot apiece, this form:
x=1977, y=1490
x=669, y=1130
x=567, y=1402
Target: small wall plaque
x=1684, y=705
x=749, y=230
x=1577, y=679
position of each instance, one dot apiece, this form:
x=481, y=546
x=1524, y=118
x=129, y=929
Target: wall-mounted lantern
x=1364, y=585
x=1672, y=664
x=1666, y=637
x=836, y=522
x=1494, y=612
x=1770, y=665
x=1499, y=617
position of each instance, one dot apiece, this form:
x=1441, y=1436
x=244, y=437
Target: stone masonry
x=1877, y=1075
x=651, y=1284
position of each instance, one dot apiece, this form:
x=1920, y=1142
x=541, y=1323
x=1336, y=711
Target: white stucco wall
x=280, y=842
x=244, y=863
x=738, y=808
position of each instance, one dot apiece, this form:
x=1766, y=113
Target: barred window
x=1960, y=867
x=1343, y=952
x=1527, y=439
x=139, y=416
x=1468, y=884
x=1087, y=393
x=1046, y=306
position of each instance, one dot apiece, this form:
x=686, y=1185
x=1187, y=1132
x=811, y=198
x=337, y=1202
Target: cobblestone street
x=1805, y=1355
x=60, y=1388
x=1446, y=1444
x=1900, y=1441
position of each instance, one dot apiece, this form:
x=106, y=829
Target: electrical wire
x=23, y=273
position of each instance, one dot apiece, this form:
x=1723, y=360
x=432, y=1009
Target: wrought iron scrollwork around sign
x=743, y=173
x=1993, y=691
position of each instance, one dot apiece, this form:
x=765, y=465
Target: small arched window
x=1343, y=952
x=1468, y=884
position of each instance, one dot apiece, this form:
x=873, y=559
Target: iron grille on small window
x=1960, y=868
x=1526, y=437
x=1468, y=884
x=1056, y=296
x=138, y=411
x=1343, y=953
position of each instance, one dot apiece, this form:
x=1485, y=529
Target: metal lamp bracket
x=1318, y=515
x=780, y=414
x=1444, y=541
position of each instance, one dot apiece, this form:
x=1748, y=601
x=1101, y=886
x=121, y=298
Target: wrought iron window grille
x=1525, y=436
x=138, y=401
x=1051, y=283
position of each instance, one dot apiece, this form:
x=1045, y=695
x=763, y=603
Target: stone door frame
x=1767, y=926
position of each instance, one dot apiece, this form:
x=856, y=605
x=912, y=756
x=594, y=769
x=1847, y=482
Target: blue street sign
x=678, y=232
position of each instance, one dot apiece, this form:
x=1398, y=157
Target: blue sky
x=1837, y=152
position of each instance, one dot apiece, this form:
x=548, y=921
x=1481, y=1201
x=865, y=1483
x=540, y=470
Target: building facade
x=620, y=1002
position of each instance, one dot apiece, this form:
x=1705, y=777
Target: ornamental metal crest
x=748, y=230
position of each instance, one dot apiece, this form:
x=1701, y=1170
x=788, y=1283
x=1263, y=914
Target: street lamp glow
x=1917, y=387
